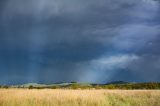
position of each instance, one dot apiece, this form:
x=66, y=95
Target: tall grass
x=59, y=97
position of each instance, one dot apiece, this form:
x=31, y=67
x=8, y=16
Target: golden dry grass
x=59, y=97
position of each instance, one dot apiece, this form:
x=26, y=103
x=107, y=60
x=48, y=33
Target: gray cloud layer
x=79, y=40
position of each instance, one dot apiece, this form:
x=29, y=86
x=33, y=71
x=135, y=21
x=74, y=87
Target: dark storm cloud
x=78, y=40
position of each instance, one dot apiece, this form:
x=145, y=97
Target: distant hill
x=28, y=85
x=75, y=85
x=117, y=82
x=33, y=84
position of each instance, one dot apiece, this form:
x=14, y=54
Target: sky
x=96, y=41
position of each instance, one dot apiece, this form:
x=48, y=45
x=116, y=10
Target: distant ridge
x=76, y=85
x=117, y=82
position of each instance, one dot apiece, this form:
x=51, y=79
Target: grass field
x=61, y=97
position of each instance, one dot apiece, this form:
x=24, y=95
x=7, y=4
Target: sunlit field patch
x=62, y=97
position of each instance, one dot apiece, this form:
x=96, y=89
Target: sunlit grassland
x=66, y=97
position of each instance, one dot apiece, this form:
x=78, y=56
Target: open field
x=62, y=97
